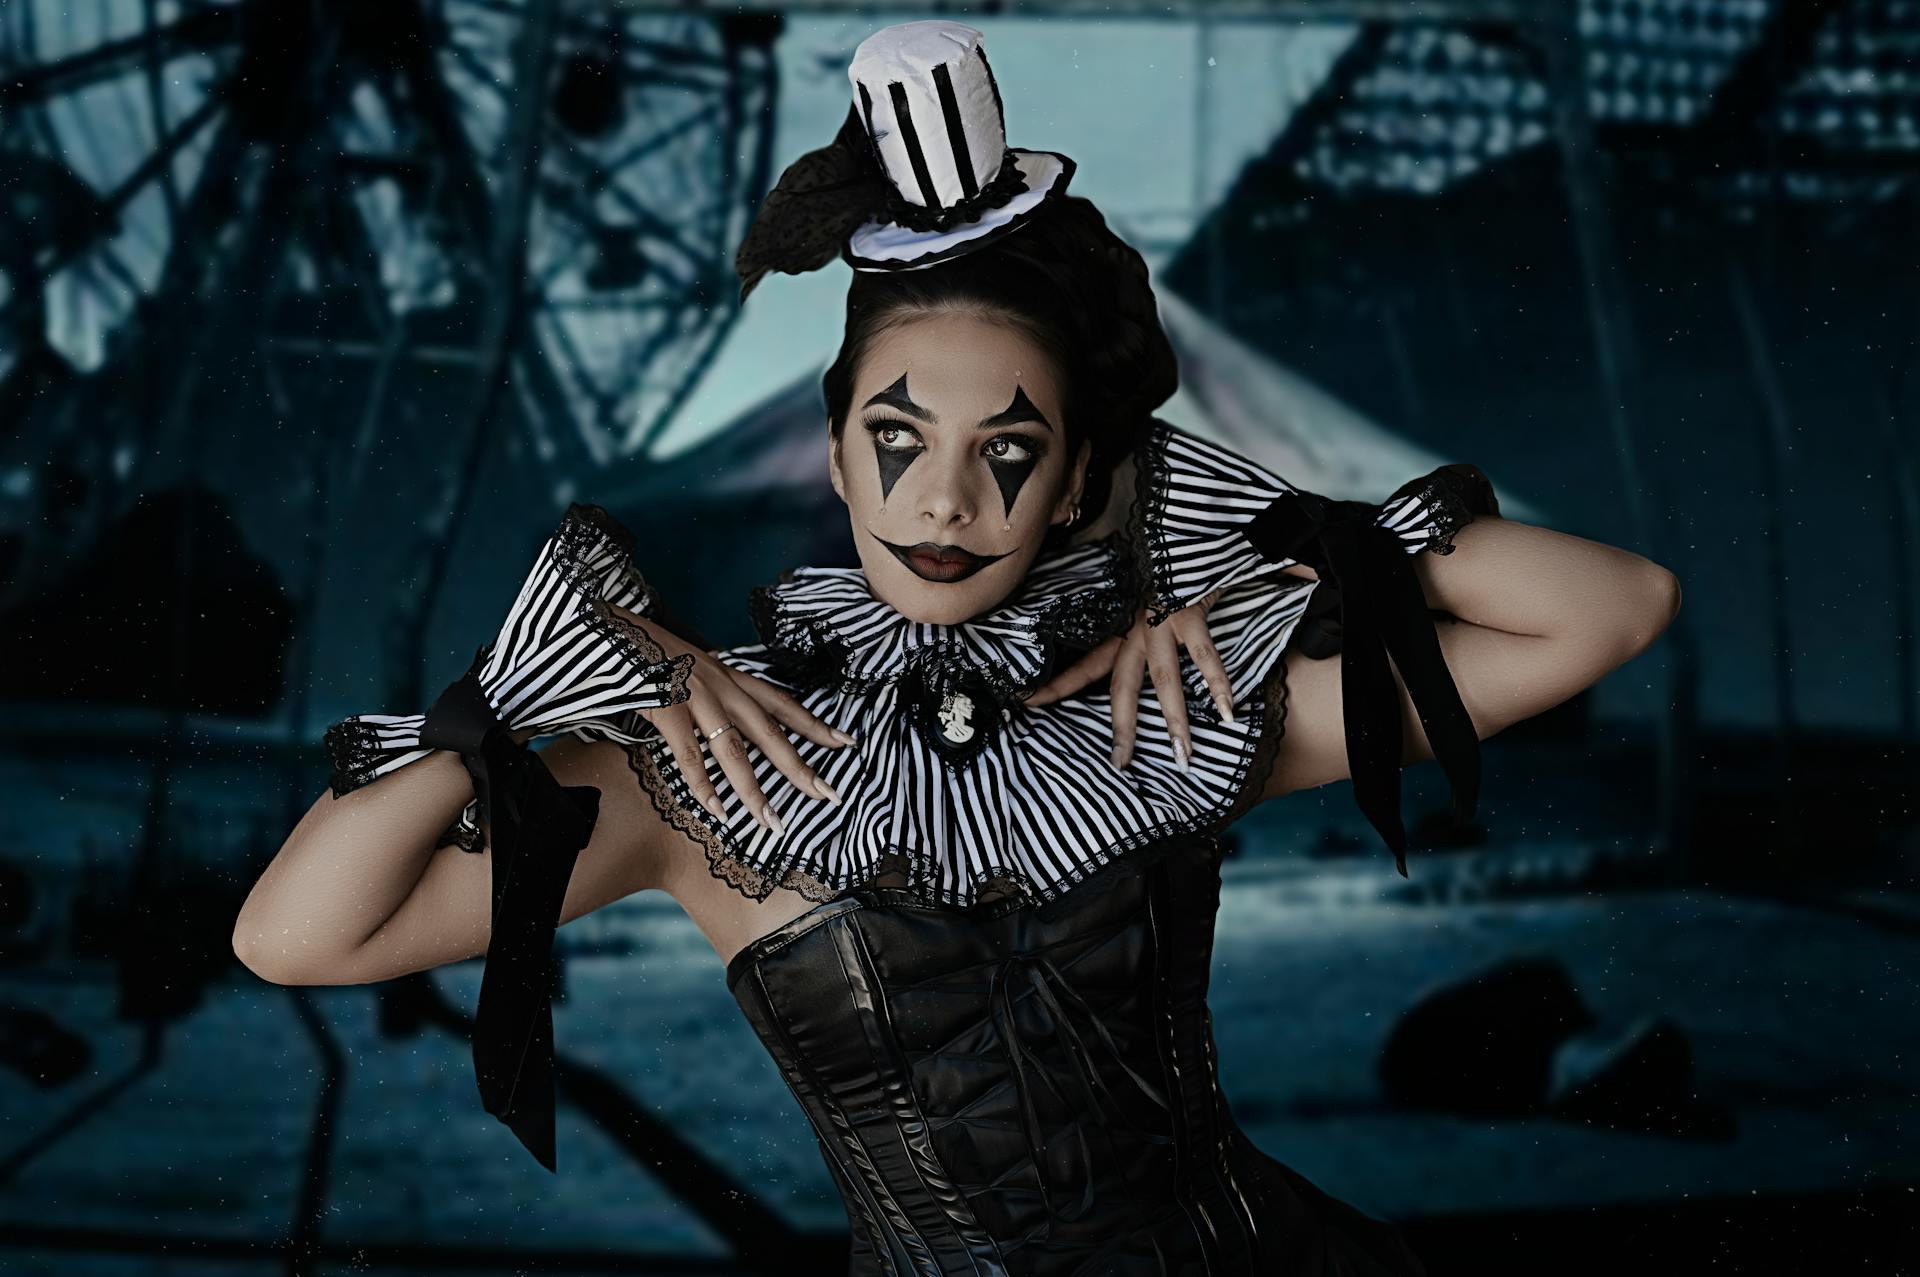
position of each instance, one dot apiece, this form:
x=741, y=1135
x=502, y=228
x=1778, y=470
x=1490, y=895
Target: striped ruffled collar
x=825, y=627
x=963, y=791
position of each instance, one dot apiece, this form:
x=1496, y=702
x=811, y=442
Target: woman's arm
x=1541, y=616
x=358, y=892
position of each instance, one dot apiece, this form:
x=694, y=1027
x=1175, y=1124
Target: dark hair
x=1079, y=291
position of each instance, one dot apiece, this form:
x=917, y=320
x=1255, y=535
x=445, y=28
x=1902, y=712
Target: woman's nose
x=946, y=498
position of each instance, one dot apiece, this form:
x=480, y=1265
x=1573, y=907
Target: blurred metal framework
x=328, y=184
x=1752, y=115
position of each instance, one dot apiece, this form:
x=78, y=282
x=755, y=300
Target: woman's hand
x=719, y=696
x=1155, y=649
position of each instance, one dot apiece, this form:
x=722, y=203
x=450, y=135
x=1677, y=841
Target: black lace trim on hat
x=998, y=192
x=819, y=200
x=973, y=243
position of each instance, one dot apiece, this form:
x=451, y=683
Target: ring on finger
x=718, y=732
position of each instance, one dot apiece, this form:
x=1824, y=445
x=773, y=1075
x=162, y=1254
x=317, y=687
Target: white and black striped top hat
x=934, y=120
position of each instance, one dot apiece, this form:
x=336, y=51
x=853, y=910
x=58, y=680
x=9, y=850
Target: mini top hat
x=934, y=119
x=920, y=172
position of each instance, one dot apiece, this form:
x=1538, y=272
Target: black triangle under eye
x=893, y=463
x=1012, y=476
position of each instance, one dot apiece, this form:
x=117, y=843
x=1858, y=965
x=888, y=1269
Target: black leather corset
x=1027, y=1088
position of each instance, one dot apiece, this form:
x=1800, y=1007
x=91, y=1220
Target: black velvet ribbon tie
x=1383, y=612
x=537, y=828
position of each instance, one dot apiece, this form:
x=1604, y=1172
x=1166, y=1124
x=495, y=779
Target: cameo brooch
x=955, y=709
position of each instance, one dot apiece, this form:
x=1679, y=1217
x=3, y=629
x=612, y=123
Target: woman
x=968, y=905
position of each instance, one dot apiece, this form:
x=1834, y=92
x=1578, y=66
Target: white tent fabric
x=1233, y=395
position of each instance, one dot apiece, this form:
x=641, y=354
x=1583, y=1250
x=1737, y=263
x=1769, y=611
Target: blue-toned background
x=315, y=316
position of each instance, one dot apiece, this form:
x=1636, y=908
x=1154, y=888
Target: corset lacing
x=1058, y=996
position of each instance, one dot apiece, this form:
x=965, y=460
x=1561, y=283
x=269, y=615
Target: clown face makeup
x=953, y=463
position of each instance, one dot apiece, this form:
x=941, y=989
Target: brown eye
x=1009, y=448
x=892, y=436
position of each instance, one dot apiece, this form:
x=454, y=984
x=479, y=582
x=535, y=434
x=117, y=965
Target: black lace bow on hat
x=828, y=193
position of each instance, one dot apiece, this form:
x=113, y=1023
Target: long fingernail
x=717, y=807
x=840, y=736
x=1226, y=710
x=773, y=820
x=1180, y=753
x=826, y=791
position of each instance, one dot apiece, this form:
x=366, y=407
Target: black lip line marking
x=904, y=554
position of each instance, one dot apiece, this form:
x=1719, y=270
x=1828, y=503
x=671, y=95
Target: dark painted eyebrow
x=1021, y=409
x=896, y=396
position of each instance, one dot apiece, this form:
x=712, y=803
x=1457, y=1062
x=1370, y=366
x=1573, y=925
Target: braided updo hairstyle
x=1078, y=291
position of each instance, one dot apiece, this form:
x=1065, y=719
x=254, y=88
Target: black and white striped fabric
x=1200, y=497
x=1041, y=804
x=927, y=96
x=1075, y=598
x=1213, y=518
x=561, y=658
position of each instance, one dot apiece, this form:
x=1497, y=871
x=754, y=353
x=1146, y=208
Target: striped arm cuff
x=1199, y=502
x=562, y=657
x=1425, y=513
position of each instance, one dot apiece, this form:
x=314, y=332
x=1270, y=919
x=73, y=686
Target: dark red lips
x=943, y=563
